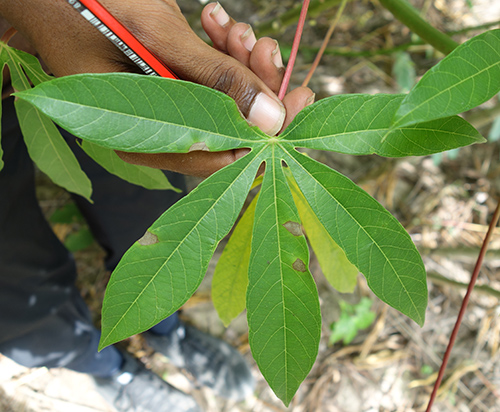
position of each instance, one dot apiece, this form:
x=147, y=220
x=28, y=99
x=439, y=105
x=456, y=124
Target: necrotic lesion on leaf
x=299, y=265
x=200, y=146
x=148, y=239
x=294, y=228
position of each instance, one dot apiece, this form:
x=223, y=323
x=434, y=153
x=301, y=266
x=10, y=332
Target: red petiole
x=295, y=49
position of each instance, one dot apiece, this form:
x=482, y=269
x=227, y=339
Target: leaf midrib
x=79, y=106
x=282, y=281
x=455, y=85
x=386, y=130
x=54, y=149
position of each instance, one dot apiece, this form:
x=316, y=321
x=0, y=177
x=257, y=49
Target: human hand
x=263, y=59
x=249, y=71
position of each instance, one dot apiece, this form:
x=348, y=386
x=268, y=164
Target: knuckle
x=231, y=80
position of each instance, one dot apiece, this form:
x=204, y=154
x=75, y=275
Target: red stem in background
x=295, y=49
x=327, y=38
x=8, y=35
x=454, y=333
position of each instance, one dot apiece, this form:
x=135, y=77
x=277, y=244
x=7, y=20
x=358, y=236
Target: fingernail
x=248, y=39
x=267, y=113
x=276, y=57
x=310, y=99
x=219, y=15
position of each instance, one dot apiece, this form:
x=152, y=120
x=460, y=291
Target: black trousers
x=43, y=319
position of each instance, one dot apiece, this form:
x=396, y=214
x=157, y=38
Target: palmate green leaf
x=371, y=237
x=339, y=272
x=73, y=179
x=29, y=63
x=362, y=124
x=45, y=144
x=282, y=300
x=137, y=113
x=161, y=271
x=137, y=175
x=229, y=283
x=464, y=79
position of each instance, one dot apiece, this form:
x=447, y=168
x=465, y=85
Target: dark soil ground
x=444, y=202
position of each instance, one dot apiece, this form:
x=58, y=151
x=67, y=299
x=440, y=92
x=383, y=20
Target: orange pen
x=121, y=37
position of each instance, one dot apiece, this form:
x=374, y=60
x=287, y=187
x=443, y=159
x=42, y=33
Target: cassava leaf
x=147, y=114
x=464, y=79
x=372, y=239
x=339, y=272
x=169, y=262
x=229, y=283
x=30, y=64
x=137, y=175
x=163, y=269
x=283, y=309
x=45, y=144
x=361, y=124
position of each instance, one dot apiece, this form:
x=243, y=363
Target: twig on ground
x=325, y=43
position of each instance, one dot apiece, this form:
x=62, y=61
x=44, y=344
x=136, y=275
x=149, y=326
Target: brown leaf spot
x=148, y=239
x=299, y=265
x=294, y=228
x=200, y=146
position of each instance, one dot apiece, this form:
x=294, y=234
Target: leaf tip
x=21, y=94
x=103, y=343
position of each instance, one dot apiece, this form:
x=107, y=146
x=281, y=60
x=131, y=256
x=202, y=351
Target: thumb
x=258, y=104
